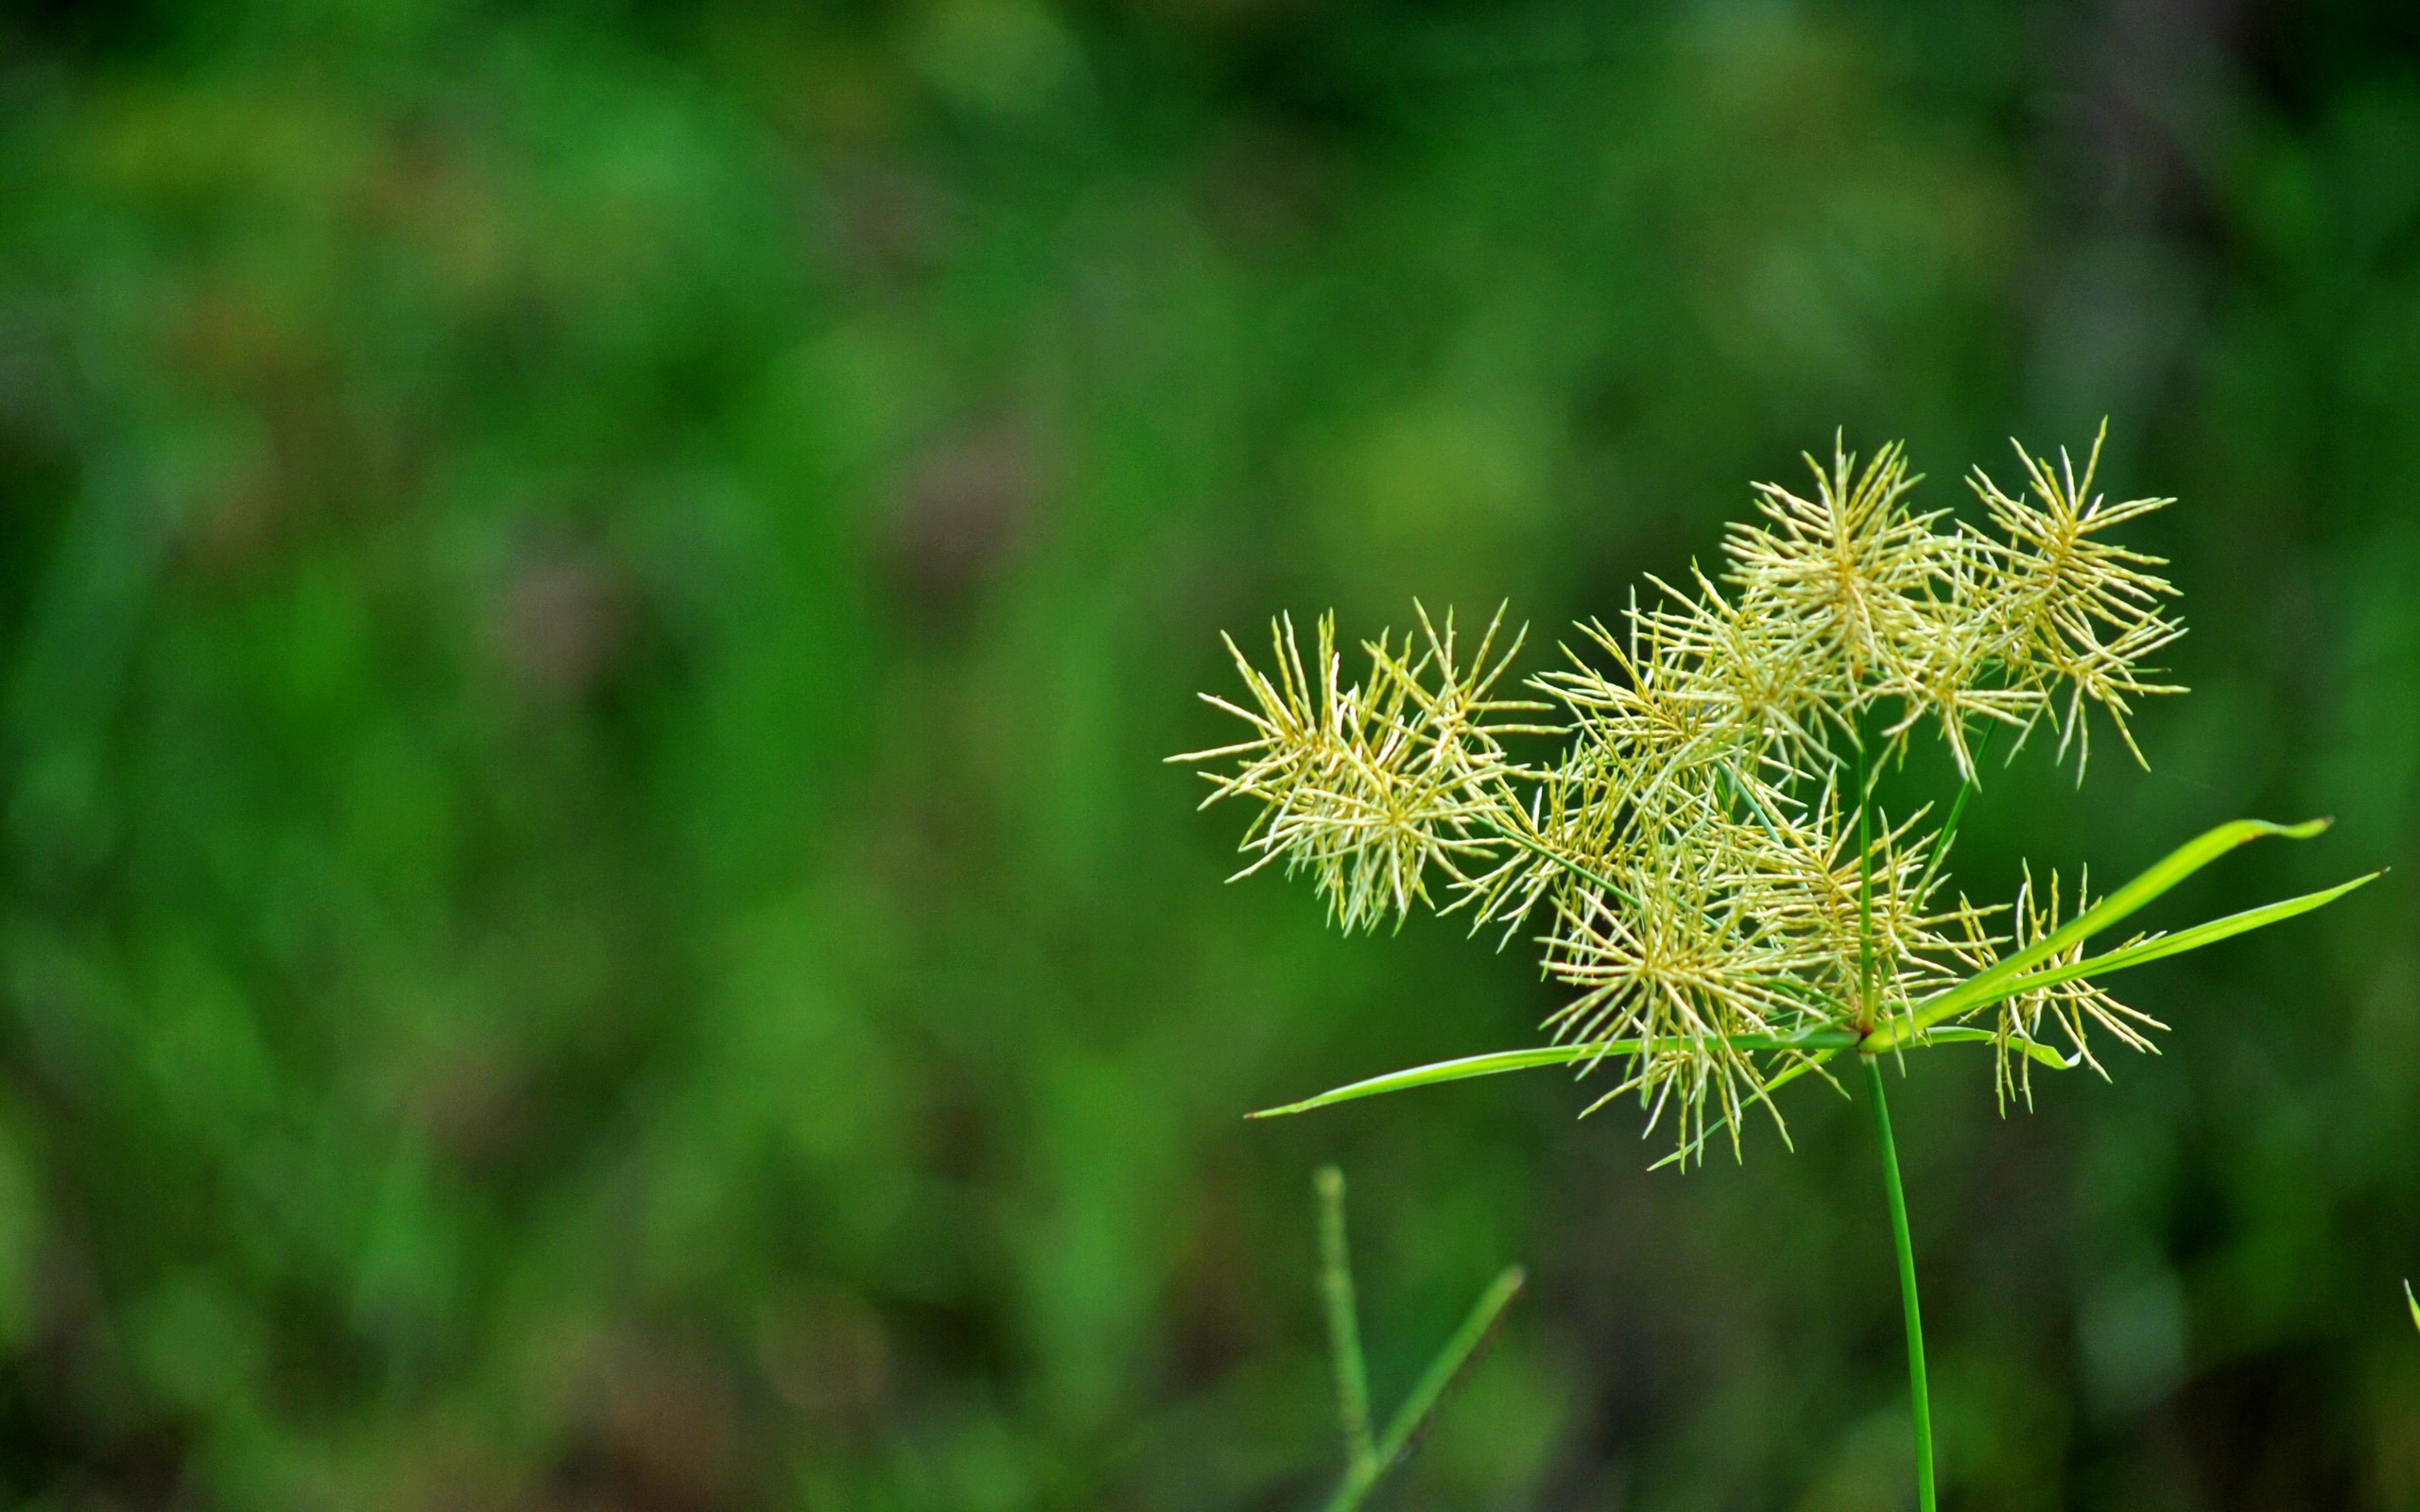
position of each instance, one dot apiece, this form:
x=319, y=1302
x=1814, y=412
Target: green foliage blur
x=592, y=597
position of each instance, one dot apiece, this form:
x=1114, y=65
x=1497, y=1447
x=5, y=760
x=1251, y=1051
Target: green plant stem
x=1918, y=1393
x=1343, y=1328
x=1437, y=1385
x=1865, y=995
x=1449, y=1369
x=1949, y=826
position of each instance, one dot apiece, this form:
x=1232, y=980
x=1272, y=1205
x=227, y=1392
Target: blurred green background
x=591, y=597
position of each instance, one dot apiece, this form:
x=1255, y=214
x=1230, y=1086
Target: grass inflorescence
x=1704, y=857
x=1715, y=882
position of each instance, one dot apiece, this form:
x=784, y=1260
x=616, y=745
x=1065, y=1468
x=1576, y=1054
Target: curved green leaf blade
x=2043, y=1055
x=1500, y=1061
x=2008, y=978
x=2184, y=939
x=1991, y=985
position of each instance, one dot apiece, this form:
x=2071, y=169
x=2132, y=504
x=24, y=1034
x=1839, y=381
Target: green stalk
x=1949, y=826
x=1865, y=995
x=1452, y=1366
x=1919, y=1394
x=1345, y=1330
x=1367, y=1462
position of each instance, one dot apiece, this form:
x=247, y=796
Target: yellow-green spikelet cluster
x=1706, y=874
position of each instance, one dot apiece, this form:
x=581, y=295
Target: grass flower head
x=1718, y=888
x=1703, y=859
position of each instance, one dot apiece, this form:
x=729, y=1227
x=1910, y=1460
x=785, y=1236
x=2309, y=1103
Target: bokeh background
x=592, y=597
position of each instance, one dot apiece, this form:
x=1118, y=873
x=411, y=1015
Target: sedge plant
x=1703, y=859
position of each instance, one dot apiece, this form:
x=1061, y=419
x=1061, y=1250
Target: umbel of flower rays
x=1703, y=856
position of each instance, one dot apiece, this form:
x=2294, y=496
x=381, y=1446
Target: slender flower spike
x=1703, y=859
